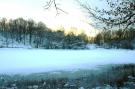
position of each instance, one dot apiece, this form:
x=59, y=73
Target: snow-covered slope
x=15, y=60
x=11, y=43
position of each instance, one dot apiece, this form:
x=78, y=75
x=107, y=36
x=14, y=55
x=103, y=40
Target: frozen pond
x=16, y=60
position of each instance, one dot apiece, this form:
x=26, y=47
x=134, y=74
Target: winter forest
x=73, y=44
x=37, y=35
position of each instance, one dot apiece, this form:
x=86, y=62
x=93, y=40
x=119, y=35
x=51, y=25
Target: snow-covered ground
x=17, y=60
x=14, y=44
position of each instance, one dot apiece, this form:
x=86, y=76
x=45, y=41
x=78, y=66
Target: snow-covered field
x=17, y=60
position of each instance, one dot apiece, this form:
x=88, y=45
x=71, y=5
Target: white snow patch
x=91, y=46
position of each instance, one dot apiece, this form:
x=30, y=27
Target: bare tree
x=118, y=14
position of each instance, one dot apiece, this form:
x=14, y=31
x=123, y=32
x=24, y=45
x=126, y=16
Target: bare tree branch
x=53, y=3
x=120, y=13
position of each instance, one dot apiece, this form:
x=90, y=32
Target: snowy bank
x=40, y=60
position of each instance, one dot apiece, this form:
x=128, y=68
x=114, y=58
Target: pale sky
x=34, y=9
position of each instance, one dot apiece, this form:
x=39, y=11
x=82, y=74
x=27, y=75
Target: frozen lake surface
x=17, y=60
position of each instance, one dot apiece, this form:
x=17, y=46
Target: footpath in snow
x=15, y=60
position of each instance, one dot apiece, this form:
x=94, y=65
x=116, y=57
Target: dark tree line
x=116, y=38
x=38, y=35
